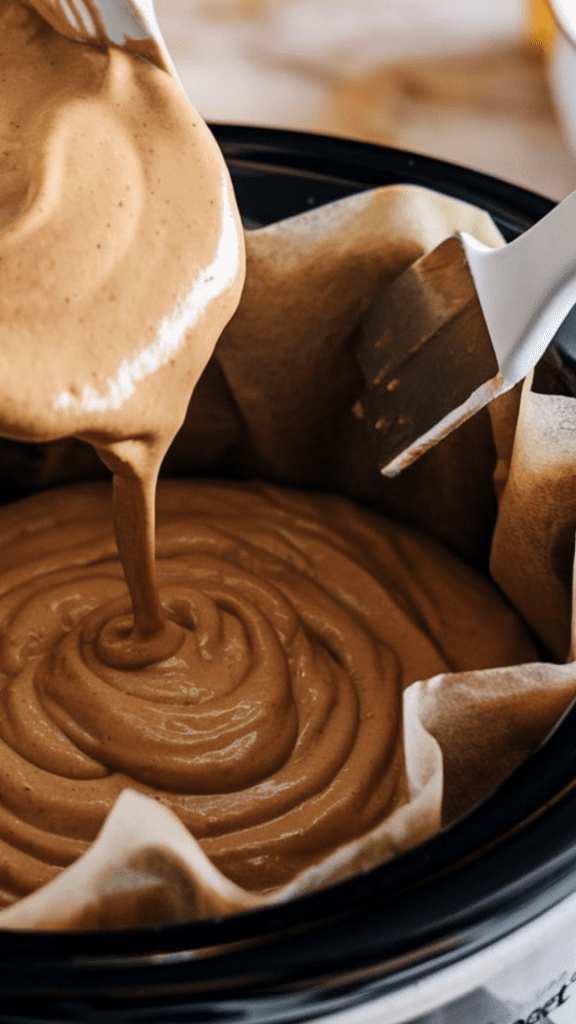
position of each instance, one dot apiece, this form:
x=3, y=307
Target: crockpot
x=477, y=925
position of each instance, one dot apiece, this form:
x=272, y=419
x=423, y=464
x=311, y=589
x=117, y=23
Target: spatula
x=130, y=24
x=460, y=326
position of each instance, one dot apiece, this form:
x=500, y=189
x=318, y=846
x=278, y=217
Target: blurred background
x=480, y=82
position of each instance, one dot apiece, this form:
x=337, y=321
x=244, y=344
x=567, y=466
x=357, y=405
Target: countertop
x=456, y=80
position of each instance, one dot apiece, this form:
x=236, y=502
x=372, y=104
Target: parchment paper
x=279, y=401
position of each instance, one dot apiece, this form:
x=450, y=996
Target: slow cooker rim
x=358, y=165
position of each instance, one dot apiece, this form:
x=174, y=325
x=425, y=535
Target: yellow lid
x=541, y=24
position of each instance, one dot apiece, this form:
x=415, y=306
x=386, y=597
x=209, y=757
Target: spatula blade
x=426, y=356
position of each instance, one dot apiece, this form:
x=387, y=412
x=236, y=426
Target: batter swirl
x=273, y=730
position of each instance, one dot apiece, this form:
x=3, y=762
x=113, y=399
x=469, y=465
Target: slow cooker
x=477, y=925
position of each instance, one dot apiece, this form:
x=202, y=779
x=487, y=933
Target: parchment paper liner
x=278, y=401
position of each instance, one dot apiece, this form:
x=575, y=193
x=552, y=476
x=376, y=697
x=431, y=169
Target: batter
x=273, y=731
x=255, y=685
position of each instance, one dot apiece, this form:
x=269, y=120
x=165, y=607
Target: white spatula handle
x=527, y=288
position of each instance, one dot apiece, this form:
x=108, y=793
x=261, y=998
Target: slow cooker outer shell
x=373, y=934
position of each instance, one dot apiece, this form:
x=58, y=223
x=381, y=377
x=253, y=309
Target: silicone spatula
x=460, y=326
x=130, y=24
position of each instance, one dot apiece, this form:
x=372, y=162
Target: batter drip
x=122, y=261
